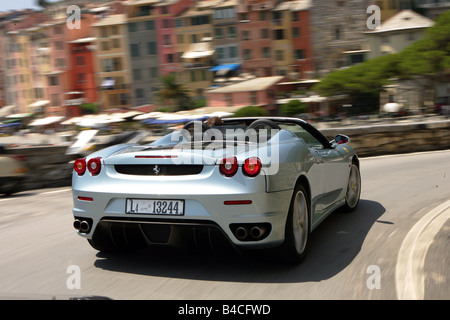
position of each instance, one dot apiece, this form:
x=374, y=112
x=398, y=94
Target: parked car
x=258, y=183
x=13, y=172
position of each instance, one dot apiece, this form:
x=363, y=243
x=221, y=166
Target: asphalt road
x=394, y=246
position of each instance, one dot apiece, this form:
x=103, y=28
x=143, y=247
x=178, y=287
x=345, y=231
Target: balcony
x=114, y=87
x=198, y=65
x=74, y=102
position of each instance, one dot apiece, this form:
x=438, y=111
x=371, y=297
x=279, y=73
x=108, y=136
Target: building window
x=151, y=48
x=247, y=54
x=262, y=15
x=246, y=35
x=153, y=72
x=295, y=32
x=337, y=33
x=115, y=30
x=107, y=65
x=254, y=98
x=134, y=48
x=218, y=34
x=116, y=43
x=132, y=27
x=220, y=53
x=53, y=80
x=266, y=52
x=264, y=33
x=299, y=54
x=137, y=74
x=192, y=74
x=165, y=10
x=117, y=64
x=166, y=23
x=166, y=39
x=279, y=55
x=170, y=58
x=81, y=77
x=200, y=20
x=139, y=93
x=104, y=32
x=179, y=23
x=105, y=45
x=231, y=32
x=150, y=25
x=279, y=34
x=295, y=16
x=232, y=52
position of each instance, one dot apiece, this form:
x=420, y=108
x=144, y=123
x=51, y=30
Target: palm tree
x=173, y=94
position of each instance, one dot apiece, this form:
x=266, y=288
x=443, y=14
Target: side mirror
x=341, y=139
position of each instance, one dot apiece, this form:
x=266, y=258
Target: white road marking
x=56, y=191
x=409, y=271
x=40, y=194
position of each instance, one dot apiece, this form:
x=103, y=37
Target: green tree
x=89, y=108
x=173, y=94
x=251, y=111
x=292, y=108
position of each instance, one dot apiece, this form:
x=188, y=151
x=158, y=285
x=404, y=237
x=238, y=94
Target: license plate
x=155, y=206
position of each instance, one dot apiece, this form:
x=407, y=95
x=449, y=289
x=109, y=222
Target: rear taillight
x=80, y=166
x=229, y=166
x=94, y=166
x=252, y=167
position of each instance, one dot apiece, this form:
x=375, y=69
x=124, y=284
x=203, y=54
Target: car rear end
x=161, y=193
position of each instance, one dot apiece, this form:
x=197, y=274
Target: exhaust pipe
x=84, y=226
x=77, y=224
x=241, y=233
x=257, y=232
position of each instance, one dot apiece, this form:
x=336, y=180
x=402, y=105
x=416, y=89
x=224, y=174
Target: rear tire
x=353, y=192
x=295, y=244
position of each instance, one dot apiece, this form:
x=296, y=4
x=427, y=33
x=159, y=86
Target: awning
x=73, y=93
x=392, y=107
x=229, y=67
x=108, y=83
x=19, y=115
x=46, y=121
x=199, y=50
x=197, y=54
x=39, y=104
x=6, y=125
x=6, y=110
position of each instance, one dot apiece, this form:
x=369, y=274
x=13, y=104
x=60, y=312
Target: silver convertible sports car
x=257, y=183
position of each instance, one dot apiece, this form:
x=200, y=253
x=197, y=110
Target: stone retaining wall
x=396, y=138
x=50, y=167
x=47, y=166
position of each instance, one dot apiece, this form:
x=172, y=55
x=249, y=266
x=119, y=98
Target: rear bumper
x=206, y=211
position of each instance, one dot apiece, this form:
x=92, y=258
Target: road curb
x=409, y=271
